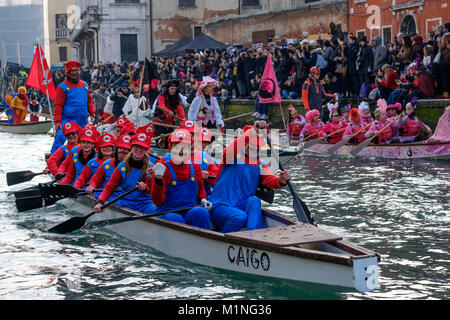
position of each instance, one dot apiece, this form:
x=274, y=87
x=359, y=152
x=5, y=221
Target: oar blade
x=313, y=142
x=58, y=190
x=29, y=192
x=69, y=226
x=17, y=177
x=302, y=211
x=34, y=202
x=361, y=146
x=335, y=147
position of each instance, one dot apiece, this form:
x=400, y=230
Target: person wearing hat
x=364, y=112
x=34, y=107
x=313, y=92
x=71, y=131
x=379, y=124
x=8, y=102
x=335, y=124
x=139, y=112
x=392, y=110
x=239, y=174
x=78, y=157
x=296, y=123
x=105, y=150
x=177, y=183
x=345, y=113
x=312, y=126
x=129, y=174
x=73, y=102
x=410, y=126
x=204, y=107
x=351, y=55
x=167, y=105
x=106, y=170
x=353, y=127
x=19, y=105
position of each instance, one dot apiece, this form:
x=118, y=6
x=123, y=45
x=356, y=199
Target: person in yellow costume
x=19, y=104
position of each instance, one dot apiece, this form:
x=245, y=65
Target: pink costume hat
x=205, y=82
x=311, y=113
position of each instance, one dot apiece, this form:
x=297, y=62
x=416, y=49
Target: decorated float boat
x=285, y=249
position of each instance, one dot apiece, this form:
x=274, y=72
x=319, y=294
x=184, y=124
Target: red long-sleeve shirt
x=183, y=173
x=98, y=178
x=268, y=179
x=165, y=117
x=86, y=175
x=69, y=169
x=55, y=160
x=60, y=100
x=114, y=183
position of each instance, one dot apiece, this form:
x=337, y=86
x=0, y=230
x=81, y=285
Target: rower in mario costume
x=79, y=157
x=177, y=184
x=105, y=150
x=105, y=171
x=71, y=131
x=73, y=102
x=128, y=174
x=239, y=174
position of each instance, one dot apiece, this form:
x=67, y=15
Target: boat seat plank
x=299, y=233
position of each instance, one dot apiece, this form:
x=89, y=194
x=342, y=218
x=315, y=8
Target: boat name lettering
x=249, y=258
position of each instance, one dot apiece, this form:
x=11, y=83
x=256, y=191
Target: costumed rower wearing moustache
x=73, y=102
x=239, y=174
x=177, y=183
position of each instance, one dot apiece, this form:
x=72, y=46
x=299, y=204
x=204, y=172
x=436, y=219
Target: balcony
x=61, y=33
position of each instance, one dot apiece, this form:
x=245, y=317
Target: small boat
x=41, y=127
x=419, y=150
x=285, y=249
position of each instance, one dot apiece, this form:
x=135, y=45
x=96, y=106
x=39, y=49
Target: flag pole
x=46, y=89
x=282, y=115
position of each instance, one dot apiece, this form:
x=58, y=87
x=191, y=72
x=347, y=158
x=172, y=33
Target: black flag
x=149, y=82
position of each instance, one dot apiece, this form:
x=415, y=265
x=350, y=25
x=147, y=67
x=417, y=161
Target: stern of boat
x=365, y=274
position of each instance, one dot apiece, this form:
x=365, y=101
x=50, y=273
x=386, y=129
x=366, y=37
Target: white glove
x=206, y=204
x=158, y=170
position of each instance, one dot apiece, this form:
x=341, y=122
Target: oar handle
x=119, y=197
x=309, y=137
x=236, y=117
x=340, y=130
x=359, y=131
x=390, y=124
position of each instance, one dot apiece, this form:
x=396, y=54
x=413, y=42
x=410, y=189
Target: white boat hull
x=41, y=127
x=332, y=266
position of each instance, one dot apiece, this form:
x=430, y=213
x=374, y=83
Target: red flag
x=268, y=88
x=39, y=77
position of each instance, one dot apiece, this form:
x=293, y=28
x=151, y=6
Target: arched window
x=408, y=25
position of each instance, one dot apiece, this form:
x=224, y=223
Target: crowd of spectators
x=410, y=66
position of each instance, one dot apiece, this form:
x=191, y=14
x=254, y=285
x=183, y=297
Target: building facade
x=388, y=18
x=170, y=20
x=259, y=21
x=57, y=46
x=110, y=31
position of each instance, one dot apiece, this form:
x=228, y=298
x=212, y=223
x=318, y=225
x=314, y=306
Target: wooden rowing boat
x=421, y=150
x=41, y=127
x=285, y=249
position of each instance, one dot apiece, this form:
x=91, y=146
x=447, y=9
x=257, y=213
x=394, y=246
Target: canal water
x=399, y=209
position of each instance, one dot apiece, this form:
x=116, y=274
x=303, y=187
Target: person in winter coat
x=379, y=53
x=313, y=92
x=364, y=63
x=351, y=55
x=119, y=98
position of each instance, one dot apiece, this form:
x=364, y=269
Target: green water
x=399, y=209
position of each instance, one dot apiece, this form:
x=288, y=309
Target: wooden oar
x=317, y=140
x=76, y=223
x=127, y=219
x=345, y=140
x=17, y=177
x=238, y=116
x=300, y=208
x=366, y=142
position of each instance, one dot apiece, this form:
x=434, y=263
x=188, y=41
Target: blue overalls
x=137, y=200
x=74, y=109
x=10, y=112
x=233, y=197
x=93, y=165
x=204, y=164
x=77, y=163
x=66, y=152
x=109, y=170
x=184, y=194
